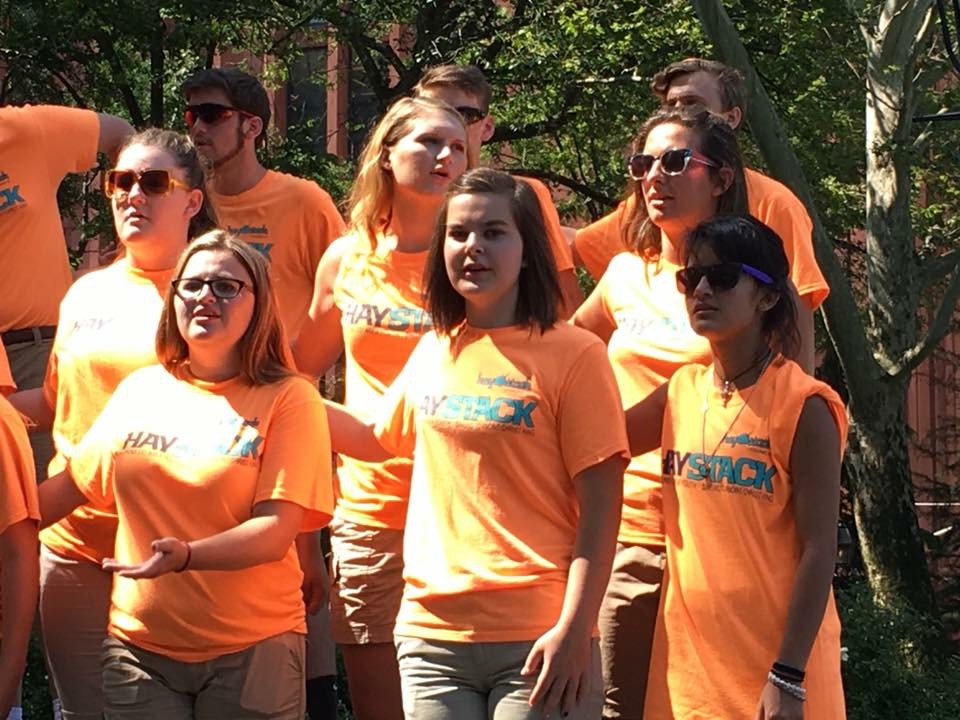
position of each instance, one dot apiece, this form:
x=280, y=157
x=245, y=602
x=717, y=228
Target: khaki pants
x=478, y=681
x=628, y=617
x=28, y=364
x=74, y=605
x=264, y=681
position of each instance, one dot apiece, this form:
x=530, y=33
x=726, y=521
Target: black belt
x=44, y=332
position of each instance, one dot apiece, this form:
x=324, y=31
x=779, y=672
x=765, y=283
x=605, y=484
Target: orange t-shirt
x=18, y=482
x=379, y=293
x=498, y=423
x=108, y=326
x=733, y=548
x=653, y=338
x=292, y=222
x=39, y=145
x=562, y=255
x=190, y=459
x=769, y=201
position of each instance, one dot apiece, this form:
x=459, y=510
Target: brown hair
x=264, y=352
x=718, y=142
x=181, y=148
x=371, y=196
x=539, y=291
x=243, y=91
x=466, y=78
x=730, y=81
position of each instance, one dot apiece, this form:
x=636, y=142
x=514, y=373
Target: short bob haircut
x=539, y=292
x=264, y=353
x=184, y=154
x=744, y=239
x=371, y=198
x=718, y=142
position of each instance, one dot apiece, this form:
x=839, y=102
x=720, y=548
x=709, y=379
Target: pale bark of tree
x=878, y=348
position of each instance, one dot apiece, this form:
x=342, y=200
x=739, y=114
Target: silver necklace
x=707, y=474
x=728, y=385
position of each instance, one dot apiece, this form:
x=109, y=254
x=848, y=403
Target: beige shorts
x=367, y=582
x=264, y=681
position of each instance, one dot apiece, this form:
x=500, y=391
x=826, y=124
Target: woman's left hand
x=169, y=555
x=563, y=658
x=775, y=704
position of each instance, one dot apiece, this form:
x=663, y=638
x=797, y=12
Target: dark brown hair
x=744, y=239
x=539, y=291
x=243, y=91
x=264, y=352
x=718, y=142
x=730, y=81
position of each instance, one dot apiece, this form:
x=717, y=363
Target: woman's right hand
x=170, y=554
x=775, y=704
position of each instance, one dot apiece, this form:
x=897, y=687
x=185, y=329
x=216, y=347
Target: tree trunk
x=876, y=354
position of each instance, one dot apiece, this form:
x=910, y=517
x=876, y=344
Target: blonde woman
x=368, y=304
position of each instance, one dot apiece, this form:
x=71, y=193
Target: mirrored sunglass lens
x=225, y=288
x=674, y=161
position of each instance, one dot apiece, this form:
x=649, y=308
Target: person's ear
x=724, y=181
x=733, y=116
x=768, y=299
x=252, y=125
x=488, y=127
x=194, y=203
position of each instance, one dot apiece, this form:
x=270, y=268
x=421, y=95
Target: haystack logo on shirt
x=400, y=319
x=263, y=248
x=238, y=438
x=722, y=472
x=10, y=198
x=503, y=413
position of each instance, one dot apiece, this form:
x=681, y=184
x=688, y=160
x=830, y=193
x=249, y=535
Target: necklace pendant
x=726, y=391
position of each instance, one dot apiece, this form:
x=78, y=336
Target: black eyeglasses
x=151, y=182
x=722, y=276
x=210, y=113
x=672, y=162
x=223, y=288
x=470, y=115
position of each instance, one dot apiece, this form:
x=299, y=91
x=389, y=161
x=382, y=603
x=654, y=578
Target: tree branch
x=842, y=315
x=506, y=133
x=120, y=76
x=569, y=182
x=936, y=268
x=936, y=332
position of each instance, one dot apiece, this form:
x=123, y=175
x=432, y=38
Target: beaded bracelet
x=186, y=562
x=788, y=687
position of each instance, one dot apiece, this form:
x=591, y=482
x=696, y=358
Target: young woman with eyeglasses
x=750, y=453
x=368, y=304
x=106, y=331
x=686, y=168
x=214, y=460
x=510, y=419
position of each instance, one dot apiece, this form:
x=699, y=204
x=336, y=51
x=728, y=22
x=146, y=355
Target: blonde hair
x=372, y=194
x=264, y=353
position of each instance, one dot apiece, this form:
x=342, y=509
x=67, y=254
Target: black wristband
x=788, y=672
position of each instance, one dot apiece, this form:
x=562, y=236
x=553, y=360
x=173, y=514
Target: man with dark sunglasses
x=721, y=90
x=466, y=88
x=39, y=146
x=291, y=221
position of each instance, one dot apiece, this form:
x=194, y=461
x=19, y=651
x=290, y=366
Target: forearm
x=808, y=600
x=353, y=436
x=594, y=547
x=32, y=405
x=21, y=580
x=253, y=542
x=59, y=496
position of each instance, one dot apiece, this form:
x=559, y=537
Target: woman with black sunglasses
x=108, y=321
x=751, y=451
x=686, y=168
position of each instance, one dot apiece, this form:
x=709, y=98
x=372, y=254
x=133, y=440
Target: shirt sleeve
x=590, y=417
x=598, y=243
x=69, y=139
x=18, y=482
x=296, y=460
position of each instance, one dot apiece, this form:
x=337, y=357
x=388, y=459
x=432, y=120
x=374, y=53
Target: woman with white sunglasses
x=686, y=169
